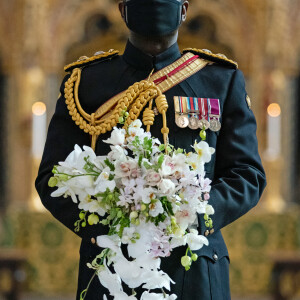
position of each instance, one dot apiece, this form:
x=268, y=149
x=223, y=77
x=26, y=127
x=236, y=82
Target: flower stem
x=84, y=292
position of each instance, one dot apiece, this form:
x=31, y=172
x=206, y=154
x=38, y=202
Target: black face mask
x=153, y=17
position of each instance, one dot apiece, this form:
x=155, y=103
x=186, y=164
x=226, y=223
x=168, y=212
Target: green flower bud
x=126, y=114
x=81, y=215
x=133, y=215
x=137, y=222
x=194, y=256
x=83, y=224
x=52, y=181
x=173, y=221
x=205, y=217
x=143, y=207
x=210, y=222
x=186, y=261
x=121, y=120
x=137, y=235
x=109, y=197
x=63, y=177
x=203, y=134
x=93, y=219
x=187, y=268
x=104, y=222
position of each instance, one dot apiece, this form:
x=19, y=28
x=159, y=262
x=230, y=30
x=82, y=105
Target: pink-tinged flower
x=185, y=217
x=160, y=246
x=152, y=178
x=206, y=196
x=125, y=168
x=124, y=199
x=205, y=184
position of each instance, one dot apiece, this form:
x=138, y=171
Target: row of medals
x=192, y=121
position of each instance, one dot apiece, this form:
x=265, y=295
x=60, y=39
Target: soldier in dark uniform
x=235, y=169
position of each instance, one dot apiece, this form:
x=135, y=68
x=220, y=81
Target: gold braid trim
x=134, y=99
x=84, y=60
x=214, y=57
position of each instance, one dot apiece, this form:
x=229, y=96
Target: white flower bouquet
x=149, y=200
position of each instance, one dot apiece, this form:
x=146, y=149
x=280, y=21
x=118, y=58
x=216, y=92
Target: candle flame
x=274, y=110
x=38, y=108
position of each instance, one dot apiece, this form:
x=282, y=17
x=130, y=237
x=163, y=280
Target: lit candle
x=39, y=129
x=274, y=131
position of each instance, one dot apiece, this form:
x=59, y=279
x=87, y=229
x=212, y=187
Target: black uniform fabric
x=236, y=169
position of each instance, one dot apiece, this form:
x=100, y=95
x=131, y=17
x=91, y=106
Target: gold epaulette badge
x=85, y=60
x=207, y=54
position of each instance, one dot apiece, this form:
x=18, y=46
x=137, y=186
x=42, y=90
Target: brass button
x=93, y=240
x=215, y=257
x=206, y=233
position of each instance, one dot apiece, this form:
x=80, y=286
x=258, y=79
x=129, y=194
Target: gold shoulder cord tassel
x=134, y=100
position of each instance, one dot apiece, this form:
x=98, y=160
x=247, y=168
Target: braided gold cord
x=134, y=100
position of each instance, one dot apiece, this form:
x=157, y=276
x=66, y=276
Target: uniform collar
x=143, y=61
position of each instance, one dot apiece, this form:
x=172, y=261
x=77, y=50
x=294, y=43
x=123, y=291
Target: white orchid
x=166, y=186
x=109, y=280
x=117, y=153
x=155, y=208
x=92, y=205
x=196, y=241
x=204, y=151
x=102, y=183
x=117, y=137
x=157, y=296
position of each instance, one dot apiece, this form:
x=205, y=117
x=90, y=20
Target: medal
x=181, y=118
x=215, y=125
x=192, y=106
x=193, y=122
x=203, y=123
x=214, y=114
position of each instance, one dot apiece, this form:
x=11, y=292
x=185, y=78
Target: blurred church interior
x=38, y=256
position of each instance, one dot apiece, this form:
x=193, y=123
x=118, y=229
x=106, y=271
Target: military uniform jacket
x=236, y=168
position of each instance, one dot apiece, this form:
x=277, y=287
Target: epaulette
x=85, y=60
x=208, y=55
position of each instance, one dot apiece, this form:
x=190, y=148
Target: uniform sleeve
x=62, y=135
x=239, y=175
